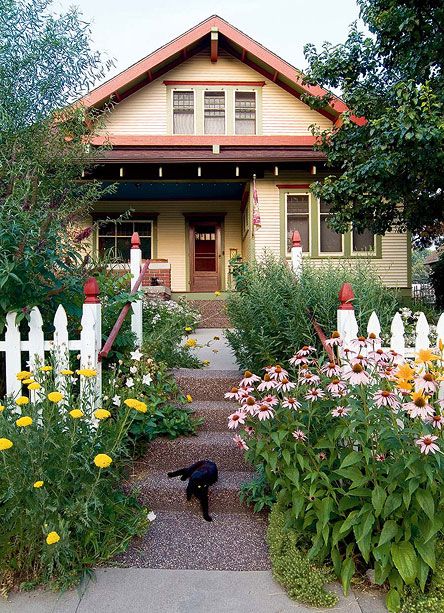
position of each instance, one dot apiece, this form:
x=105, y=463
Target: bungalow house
x=192, y=125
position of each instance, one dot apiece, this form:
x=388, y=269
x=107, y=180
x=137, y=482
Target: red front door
x=205, y=256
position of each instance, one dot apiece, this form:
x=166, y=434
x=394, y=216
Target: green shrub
x=269, y=310
x=291, y=568
x=164, y=326
x=257, y=492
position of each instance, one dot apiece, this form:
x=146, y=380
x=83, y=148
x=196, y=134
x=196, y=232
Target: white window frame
x=301, y=193
x=256, y=114
x=145, y=221
x=183, y=89
x=328, y=253
x=215, y=90
x=362, y=254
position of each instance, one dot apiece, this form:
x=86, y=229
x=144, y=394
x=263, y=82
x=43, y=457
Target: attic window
x=183, y=112
x=245, y=113
x=214, y=113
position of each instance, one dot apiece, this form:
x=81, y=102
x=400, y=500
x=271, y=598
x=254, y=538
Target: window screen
x=331, y=241
x=115, y=237
x=363, y=241
x=245, y=113
x=298, y=218
x=183, y=112
x=214, y=113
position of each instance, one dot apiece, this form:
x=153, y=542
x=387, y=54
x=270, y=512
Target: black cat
x=201, y=475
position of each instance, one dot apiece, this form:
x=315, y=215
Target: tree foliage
x=46, y=63
x=388, y=169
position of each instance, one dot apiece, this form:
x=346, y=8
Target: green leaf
x=427, y=552
x=405, y=560
x=378, y=499
x=423, y=572
x=389, y=531
x=353, y=518
x=347, y=572
x=391, y=504
x=393, y=601
x=325, y=508
x=352, y=458
x=286, y=455
x=425, y=501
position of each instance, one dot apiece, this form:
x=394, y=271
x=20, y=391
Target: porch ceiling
x=133, y=190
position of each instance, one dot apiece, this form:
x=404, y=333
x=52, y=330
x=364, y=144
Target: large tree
x=387, y=171
x=46, y=63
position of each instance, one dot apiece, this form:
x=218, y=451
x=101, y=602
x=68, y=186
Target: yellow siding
x=171, y=231
x=145, y=112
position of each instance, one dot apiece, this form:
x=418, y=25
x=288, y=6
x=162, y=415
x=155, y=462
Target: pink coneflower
x=271, y=400
x=277, y=372
x=322, y=456
x=359, y=359
x=386, y=399
x=359, y=343
x=305, y=350
x=235, y=394
x=335, y=340
x=299, y=435
x=419, y=406
x=426, y=383
x=267, y=384
x=386, y=372
x=336, y=387
x=250, y=405
x=291, y=403
x=340, y=412
x=331, y=369
x=378, y=356
x=240, y=442
x=438, y=421
x=298, y=360
x=395, y=357
x=265, y=412
x=314, y=393
x=249, y=430
x=285, y=385
x=309, y=378
x=380, y=457
x=249, y=379
x=427, y=444
x=356, y=374
x=236, y=418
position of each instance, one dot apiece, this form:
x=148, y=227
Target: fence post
x=296, y=253
x=13, y=355
x=346, y=321
x=91, y=339
x=135, y=262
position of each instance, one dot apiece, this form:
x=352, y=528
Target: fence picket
x=422, y=333
x=374, y=327
x=36, y=340
x=61, y=347
x=397, y=340
x=14, y=356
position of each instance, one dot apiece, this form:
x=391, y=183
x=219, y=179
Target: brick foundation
x=159, y=270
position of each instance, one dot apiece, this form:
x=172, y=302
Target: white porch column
x=135, y=264
x=346, y=319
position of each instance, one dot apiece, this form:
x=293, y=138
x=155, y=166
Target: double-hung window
x=245, y=112
x=362, y=241
x=114, y=237
x=329, y=240
x=298, y=218
x=214, y=112
x=183, y=112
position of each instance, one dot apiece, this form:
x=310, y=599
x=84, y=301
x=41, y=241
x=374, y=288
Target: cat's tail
x=178, y=473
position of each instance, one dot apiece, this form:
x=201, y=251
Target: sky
x=128, y=30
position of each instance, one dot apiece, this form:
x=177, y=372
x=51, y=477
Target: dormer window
x=183, y=112
x=214, y=112
x=245, y=113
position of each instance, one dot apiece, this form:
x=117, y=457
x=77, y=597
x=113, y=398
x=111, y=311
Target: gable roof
x=238, y=44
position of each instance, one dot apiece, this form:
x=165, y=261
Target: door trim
x=207, y=220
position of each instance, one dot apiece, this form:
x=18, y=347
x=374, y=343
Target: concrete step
x=166, y=454
x=155, y=490
x=182, y=540
x=214, y=412
x=206, y=384
x=213, y=313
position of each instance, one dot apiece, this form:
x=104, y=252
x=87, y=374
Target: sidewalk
x=145, y=590
x=218, y=353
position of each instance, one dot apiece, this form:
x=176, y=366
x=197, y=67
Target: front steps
x=180, y=538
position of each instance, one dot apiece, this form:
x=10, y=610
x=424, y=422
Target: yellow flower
x=21, y=400
x=34, y=386
x=189, y=398
x=424, y=356
x=23, y=374
x=404, y=385
x=190, y=342
x=2, y=408
x=28, y=381
x=52, y=538
x=22, y=422
x=188, y=329
x=87, y=372
x=206, y=362
x=217, y=293
x=5, y=443
x=132, y=403
x=76, y=413
x=55, y=396
x=102, y=460
x=102, y=414
x=405, y=372
x=38, y=484
x=45, y=368
x=66, y=372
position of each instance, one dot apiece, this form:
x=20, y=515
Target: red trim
x=214, y=47
x=293, y=185
x=154, y=140
x=346, y=296
x=234, y=83
x=91, y=291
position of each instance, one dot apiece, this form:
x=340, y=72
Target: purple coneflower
x=356, y=374
x=291, y=403
x=386, y=399
x=331, y=369
x=427, y=444
x=314, y=394
x=340, y=411
x=285, y=385
x=335, y=340
x=299, y=435
x=265, y=412
x=267, y=384
x=249, y=379
x=236, y=418
x=240, y=442
x=426, y=383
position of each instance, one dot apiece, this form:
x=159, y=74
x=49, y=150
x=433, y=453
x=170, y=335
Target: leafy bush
x=257, y=491
x=164, y=326
x=353, y=453
x=291, y=568
x=62, y=508
x=269, y=312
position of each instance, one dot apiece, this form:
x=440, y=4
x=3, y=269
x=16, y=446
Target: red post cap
x=296, y=239
x=91, y=291
x=346, y=296
x=135, y=241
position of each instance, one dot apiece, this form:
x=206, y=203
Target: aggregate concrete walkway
x=143, y=590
